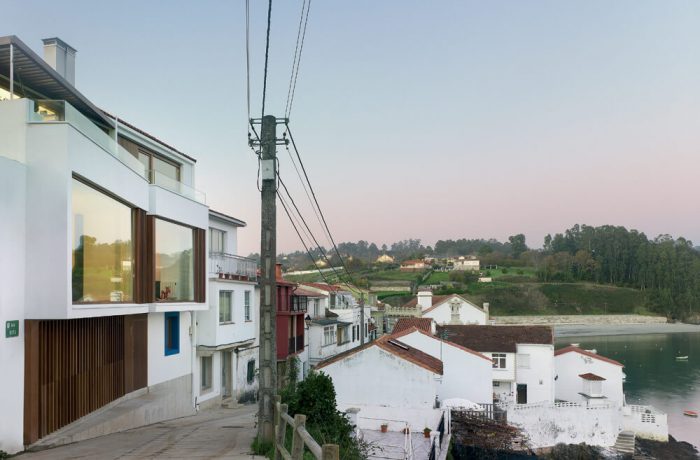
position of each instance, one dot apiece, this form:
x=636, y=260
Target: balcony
x=230, y=267
x=57, y=111
x=296, y=344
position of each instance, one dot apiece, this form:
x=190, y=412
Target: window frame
x=169, y=318
x=498, y=359
x=523, y=360
x=209, y=373
x=246, y=306
x=221, y=236
x=222, y=293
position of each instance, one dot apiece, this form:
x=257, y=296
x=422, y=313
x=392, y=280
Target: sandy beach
x=586, y=330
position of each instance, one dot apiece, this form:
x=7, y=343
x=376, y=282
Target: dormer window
x=592, y=385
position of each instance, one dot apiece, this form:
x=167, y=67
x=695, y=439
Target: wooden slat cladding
x=73, y=367
x=200, y=272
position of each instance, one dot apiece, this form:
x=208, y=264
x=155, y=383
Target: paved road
x=212, y=434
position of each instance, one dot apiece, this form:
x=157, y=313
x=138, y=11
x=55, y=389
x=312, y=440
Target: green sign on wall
x=11, y=328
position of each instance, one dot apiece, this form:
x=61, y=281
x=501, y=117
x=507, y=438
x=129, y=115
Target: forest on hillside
x=667, y=269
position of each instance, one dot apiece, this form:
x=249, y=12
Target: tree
x=517, y=245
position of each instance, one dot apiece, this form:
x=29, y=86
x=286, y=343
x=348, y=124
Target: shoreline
x=591, y=330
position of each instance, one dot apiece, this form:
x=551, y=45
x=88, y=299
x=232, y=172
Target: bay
x=654, y=376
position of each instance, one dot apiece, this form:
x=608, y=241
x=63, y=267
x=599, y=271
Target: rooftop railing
x=57, y=111
x=229, y=266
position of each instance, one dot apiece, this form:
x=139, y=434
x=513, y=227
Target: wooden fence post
x=297, y=442
x=330, y=452
x=281, y=431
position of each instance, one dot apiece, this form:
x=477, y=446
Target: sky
x=430, y=120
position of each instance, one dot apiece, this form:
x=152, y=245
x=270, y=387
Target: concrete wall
x=12, y=299
x=465, y=375
x=394, y=382
x=539, y=375
x=549, y=424
x=162, y=368
x=569, y=366
x=372, y=417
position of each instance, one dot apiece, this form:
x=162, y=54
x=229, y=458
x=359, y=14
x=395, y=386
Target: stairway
x=625, y=442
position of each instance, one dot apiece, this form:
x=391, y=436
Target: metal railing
x=301, y=439
x=228, y=266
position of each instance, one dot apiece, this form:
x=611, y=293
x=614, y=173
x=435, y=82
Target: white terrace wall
x=549, y=424
x=372, y=417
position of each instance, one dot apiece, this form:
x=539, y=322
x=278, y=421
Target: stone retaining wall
x=580, y=319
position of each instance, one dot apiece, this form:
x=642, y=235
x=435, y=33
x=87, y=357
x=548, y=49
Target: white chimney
x=486, y=309
x=425, y=299
x=61, y=56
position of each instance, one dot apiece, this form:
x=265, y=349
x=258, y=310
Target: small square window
x=172, y=333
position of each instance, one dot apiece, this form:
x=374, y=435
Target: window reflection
x=102, y=247
x=174, y=262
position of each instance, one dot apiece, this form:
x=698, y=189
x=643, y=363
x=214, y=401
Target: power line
x=267, y=55
x=323, y=253
x=323, y=218
x=297, y=58
x=301, y=239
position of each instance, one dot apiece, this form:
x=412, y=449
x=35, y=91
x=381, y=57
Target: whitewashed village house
x=416, y=265
x=227, y=333
x=335, y=321
x=443, y=309
x=588, y=378
x=466, y=264
x=104, y=249
x=522, y=359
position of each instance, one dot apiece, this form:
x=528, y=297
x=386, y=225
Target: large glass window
x=174, y=262
x=102, y=247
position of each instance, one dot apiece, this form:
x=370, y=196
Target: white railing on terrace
x=168, y=183
x=230, y=266
x=554, y=405
x=58, y=111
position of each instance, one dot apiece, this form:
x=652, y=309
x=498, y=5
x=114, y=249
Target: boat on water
x=681, y=358
x=690, y=413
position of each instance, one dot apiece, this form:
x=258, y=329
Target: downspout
x=193, y=340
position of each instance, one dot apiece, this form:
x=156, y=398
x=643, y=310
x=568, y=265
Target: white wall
x=465, y=375
x=12, y=279
x=394, y=382
x=549, y=424
x=372, y=417
x=539, y=375
x=162, y=368
x=468, y=313
x=508, y=373
x=568, y=384
x=241, y=387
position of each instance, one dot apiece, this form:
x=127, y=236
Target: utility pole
x=268, y=282
x=362, y=318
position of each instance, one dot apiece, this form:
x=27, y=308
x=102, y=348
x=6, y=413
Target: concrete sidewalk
x=212, y=434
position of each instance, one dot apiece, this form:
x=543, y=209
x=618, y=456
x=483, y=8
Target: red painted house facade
x=291, y=309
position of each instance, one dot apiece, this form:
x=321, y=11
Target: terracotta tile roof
x=393, y=346
x=502, y=339
x=303, y=292
x=587, y=353
x=590, y=376
x=424, y=324
x=322, y=286
x=452, y=344
x=412, y=262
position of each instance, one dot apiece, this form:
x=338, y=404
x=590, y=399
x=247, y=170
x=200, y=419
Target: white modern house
x=466, y=373
x=227, y=333
x=522, y=359
x=588, y=378
x=447, y=309
x=104, y=264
